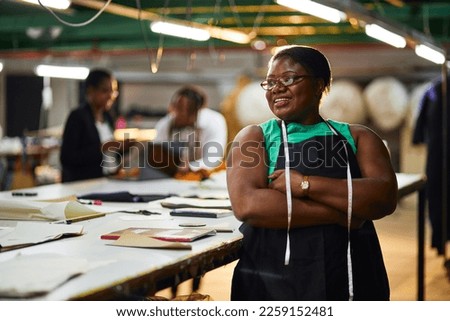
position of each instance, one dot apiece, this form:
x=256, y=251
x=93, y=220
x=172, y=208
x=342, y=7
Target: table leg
x=421, y=245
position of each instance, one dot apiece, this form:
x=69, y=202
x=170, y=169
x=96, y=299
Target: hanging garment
x=428, y=130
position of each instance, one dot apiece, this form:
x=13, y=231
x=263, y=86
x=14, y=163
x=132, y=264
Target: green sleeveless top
x=297, y=133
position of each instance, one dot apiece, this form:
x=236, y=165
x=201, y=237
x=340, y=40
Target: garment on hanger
x=428, y=129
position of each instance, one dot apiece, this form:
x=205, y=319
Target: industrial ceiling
x=31, y=30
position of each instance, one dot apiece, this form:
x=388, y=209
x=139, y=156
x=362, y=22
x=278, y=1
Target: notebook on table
x=164, y=234
x=201, y=212
x=187, y=202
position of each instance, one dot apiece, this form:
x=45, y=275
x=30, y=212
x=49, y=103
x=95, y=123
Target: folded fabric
x=124, y=196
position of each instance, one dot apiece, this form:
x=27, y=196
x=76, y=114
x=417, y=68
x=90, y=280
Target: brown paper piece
x=67, y=198
x=136, y=240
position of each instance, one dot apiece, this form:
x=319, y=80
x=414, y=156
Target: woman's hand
x=278, y=182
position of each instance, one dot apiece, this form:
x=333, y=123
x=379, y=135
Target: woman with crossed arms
x=299, y=223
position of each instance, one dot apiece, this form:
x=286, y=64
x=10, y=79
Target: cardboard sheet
x=142, y=241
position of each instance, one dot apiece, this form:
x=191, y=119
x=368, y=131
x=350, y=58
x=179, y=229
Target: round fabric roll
x=344, y=103
x=251, y=105
x=387, y=102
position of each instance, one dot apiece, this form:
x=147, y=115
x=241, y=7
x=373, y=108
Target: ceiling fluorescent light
x=230, y=35
x=62, y=72
x=389, y=37
x=315, y=9
x=1, y=66
x=430, y=54
x=178, y=30
x=226, y=34
x=55, y=4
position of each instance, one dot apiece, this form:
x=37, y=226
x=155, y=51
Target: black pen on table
x=24, y=193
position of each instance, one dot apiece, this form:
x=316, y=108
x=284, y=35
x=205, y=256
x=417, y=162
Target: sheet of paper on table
x=49, y=271
x=206, y=194
x=31, y=233
x=13, y=209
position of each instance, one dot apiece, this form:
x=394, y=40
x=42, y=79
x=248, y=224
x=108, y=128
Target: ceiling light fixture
x=1, y=66
x=315, y=9
x=62, y=72
x=229, y=35
x=55, y=4
x=430, y=54
x=382, y=34
x=178, y=30
x=132, y=13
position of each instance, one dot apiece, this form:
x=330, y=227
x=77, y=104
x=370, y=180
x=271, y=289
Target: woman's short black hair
x=96, y=77
x=311, y=59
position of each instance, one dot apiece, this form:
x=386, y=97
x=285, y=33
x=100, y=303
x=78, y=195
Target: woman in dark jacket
x=88, y=128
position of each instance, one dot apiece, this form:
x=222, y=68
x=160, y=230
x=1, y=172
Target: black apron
x=318, y=261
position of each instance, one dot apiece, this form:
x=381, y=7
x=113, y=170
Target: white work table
x=124, y=272
x=133, y=273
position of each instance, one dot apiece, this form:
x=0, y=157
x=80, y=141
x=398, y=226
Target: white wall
x=65, y=97
x=155, y=97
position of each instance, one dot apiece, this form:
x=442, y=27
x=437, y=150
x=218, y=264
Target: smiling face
x=103, y=96
x=298, y=102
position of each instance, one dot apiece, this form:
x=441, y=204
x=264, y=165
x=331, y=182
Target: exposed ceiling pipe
x=133, y=13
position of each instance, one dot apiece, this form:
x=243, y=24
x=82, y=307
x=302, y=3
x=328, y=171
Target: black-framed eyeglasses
x=286, y=81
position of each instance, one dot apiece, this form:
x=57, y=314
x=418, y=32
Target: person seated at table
x=88, y=148
x=202, y=129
